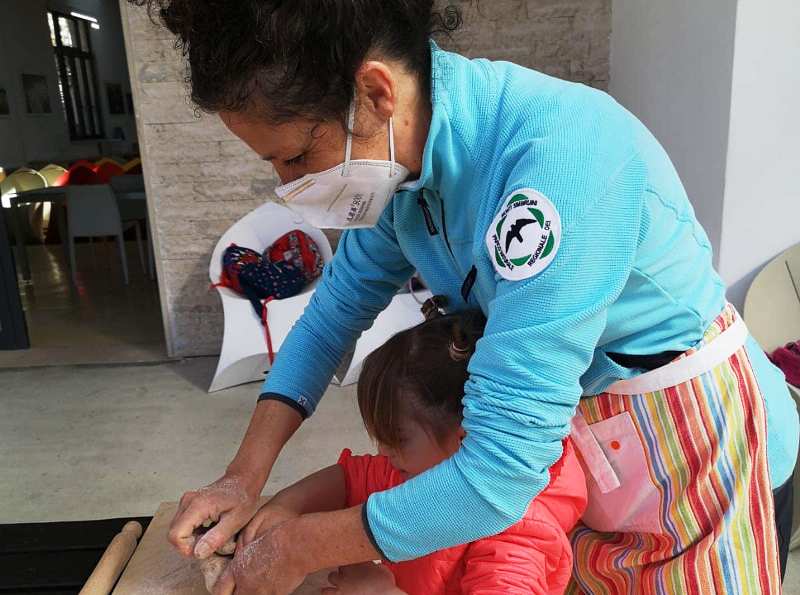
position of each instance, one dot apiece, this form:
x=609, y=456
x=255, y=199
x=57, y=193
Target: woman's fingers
x=184, y=502
x=181, y=530
x=226, y=584
x=217, y=536
x=335, y=578
x=251, y=530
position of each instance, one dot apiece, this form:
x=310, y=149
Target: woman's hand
x=367, y=578
x=233, y=499
x=272, y=564
x=277, y=561
x=267, y=517
x=229, y=502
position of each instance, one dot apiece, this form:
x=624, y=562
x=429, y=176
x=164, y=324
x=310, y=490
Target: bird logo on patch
x=525, y=235
x=514, y=232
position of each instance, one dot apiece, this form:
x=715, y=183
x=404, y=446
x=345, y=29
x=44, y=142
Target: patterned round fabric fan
x=298, y=249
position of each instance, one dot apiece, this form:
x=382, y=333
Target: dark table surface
x=54, y=558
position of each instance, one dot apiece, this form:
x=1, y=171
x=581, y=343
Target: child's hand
x=362, y=579
x=267, y=517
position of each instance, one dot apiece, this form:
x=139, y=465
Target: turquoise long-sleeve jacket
x=583, y=244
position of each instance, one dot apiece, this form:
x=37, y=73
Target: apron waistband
x=708, y=357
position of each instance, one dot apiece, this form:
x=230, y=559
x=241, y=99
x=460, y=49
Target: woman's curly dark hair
x=295, y=58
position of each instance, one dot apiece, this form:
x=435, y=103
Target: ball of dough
x=212, y=568
x=227, y=549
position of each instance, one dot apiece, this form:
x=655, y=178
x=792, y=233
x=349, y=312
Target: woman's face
x=419, y=450
x=384, y=90
x=301, y=147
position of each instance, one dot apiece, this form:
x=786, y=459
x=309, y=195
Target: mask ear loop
x=392, y=172
x=351, y=122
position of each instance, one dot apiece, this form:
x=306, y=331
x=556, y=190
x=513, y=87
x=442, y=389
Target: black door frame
x=13, y=330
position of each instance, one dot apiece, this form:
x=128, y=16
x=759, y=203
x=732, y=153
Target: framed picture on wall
x=5, y=110
x=37, y=94
x=116, y=100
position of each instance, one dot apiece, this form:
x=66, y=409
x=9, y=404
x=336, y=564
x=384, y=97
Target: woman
x=553, y=210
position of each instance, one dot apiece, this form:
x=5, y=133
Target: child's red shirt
x=532, y=556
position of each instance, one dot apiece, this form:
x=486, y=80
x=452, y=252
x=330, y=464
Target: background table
x=57, y=195
x=53, y=558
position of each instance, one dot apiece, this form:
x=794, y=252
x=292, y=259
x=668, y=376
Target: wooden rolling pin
x=113, y=562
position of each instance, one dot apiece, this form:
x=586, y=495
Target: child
x=409, y=394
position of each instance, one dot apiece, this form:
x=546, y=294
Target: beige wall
x=200, y=179
x=565, y=38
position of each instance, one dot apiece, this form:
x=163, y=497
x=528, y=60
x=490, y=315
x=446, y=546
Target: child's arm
x=322, y=491
x=362, y=579
x=533, y=563
x=348, y=483
x=533, y=556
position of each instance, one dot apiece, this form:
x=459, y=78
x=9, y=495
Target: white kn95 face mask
x=351, y=195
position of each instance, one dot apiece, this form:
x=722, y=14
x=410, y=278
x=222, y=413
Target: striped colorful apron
x=679, y=492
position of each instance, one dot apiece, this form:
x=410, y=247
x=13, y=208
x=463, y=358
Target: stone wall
x=569, y=39
x=201, y=179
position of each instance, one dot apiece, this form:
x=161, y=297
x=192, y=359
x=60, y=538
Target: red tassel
x=267, y=335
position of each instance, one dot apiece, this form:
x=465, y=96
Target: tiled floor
x=100, y=321
x=91, y=442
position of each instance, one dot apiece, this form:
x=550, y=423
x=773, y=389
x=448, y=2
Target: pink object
x=621, y=493
x=787, y=358
x=532, y=557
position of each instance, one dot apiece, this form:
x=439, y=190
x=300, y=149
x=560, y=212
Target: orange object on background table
x=134, y=166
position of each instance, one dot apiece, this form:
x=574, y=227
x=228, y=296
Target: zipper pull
x=426, y=212
x=466, y=288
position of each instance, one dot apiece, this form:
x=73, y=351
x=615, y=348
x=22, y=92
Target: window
x=77, y=83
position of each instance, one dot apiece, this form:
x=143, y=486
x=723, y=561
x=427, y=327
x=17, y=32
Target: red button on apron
x=615, y=444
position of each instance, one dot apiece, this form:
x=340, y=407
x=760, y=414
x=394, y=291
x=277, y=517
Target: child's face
x=419, y=449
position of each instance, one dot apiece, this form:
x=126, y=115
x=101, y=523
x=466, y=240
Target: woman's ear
x=462, y=433
x=377, y=89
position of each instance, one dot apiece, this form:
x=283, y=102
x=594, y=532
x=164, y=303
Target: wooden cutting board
x=157, y=569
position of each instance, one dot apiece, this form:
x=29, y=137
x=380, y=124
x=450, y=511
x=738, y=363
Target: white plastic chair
x=132, y=211
x=772, y=313
x=92, y=212
x=244, y=356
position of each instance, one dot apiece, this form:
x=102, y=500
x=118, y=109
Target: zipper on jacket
x=469, y=280
x=447, y=239
x=426, y=212
x=469, y=283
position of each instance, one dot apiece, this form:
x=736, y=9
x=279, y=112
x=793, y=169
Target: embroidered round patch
x=524, y=237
